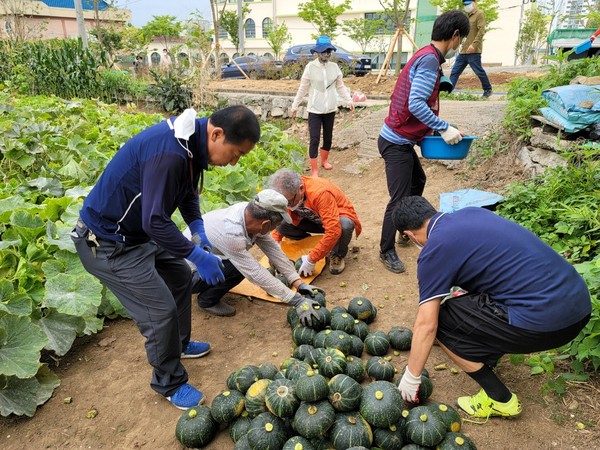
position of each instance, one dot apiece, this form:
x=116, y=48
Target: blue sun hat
x=323, y=44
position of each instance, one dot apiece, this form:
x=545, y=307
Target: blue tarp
x=565, y=106
x=455, y=200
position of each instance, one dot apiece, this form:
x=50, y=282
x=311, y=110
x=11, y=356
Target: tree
x=323, y=15
x=532, y=37
x=163, y=27
x=593, y=15
x=397, y=11
x=363, y=31
x=489, y=8
x=278, y=36
x=17, y=15
x=134, y=41
x=230, y=22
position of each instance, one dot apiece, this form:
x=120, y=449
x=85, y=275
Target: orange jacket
x=329, y=203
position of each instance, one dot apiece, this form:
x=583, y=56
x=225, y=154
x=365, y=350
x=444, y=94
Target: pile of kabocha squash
x=326, y=396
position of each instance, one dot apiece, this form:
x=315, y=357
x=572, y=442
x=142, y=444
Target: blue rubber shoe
x=186, y=396
x=196, y=349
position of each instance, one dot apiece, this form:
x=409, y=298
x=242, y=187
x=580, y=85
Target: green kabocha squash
x=381, y=404
x=361, y=308
x=331, y=362
x=357, y=347
x=227, y=406
x=286, y=362
x=303, y=335
x=361, y=329
x=280, y=375
x=344, y=393
x=313, y=419
x=338, y=310
x=298, y=443
x=255, y=397
x=281, y=398
x=379, y=368
x=312, y=387
x=339, y=339
x=322, y=443
x=425, y=389
x=245, y=377
x=342, y=322
x=298, y=264
x=377, y=343
x=302, y=351
x=424, y=427
x=400, y=338
x=319, y=340
x=239, y=427
x=390, y=438
x=242, y=443
x=196, y=427
x=449, y=415
x=281, y=277
x=313, y=355
x=292, y=318
x=414, y=447
x=266, y=432
x=456, y=441
x=297, y=369
x=267, y=370
x=355, y=368
x=319, y=298
x=350, y=429
x=322, y=320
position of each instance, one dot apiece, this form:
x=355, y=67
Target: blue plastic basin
x=434, y=147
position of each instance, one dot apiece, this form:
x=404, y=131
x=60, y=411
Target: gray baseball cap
x=271, y=200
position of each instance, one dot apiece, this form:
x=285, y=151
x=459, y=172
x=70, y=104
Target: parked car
x=358, y=65
x=255, y=67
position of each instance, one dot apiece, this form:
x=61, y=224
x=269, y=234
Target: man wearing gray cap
x=232, y=232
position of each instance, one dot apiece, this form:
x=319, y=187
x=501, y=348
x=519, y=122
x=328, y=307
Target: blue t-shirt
x=484, y=253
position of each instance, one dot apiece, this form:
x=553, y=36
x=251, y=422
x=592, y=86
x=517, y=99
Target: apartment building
x=499, y=46
x=47, y=19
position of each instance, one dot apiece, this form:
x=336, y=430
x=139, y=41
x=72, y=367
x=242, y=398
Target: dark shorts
x=476, y=329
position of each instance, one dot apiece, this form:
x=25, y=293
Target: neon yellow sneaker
x=481, y=405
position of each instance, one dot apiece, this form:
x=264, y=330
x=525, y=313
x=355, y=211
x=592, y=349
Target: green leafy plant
x=170, y=90
x=53, y=150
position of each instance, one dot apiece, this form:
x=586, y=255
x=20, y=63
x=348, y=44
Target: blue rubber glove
x=208, y=265
x=197, y=227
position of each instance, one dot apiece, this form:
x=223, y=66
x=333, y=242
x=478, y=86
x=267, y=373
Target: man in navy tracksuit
x=126, y=238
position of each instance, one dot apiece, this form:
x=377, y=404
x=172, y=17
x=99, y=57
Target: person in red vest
x=413, y=114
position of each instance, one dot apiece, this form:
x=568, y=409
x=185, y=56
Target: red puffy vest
x=400, y=118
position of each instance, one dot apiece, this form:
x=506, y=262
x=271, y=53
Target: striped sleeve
x=422, y=85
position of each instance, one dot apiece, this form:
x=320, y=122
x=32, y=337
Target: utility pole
x=81, y=22
x=240, y=26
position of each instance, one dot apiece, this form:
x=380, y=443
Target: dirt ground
x=108, y=372
x=367, y=84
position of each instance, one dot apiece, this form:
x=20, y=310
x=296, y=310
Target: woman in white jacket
x=321, y=80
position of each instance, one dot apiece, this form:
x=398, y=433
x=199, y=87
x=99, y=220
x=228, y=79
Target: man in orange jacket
x=316, y=205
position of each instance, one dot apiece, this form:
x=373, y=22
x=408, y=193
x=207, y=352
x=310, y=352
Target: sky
x=143, y=10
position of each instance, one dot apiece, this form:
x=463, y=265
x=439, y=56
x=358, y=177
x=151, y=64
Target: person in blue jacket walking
x=126, y=238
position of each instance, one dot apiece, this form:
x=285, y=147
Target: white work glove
x=451, y=135
x=307, y=268
x=409, y=387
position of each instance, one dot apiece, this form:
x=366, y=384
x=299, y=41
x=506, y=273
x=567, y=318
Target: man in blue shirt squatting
x=521, y=297
x=126, y=238
x=413, y=114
